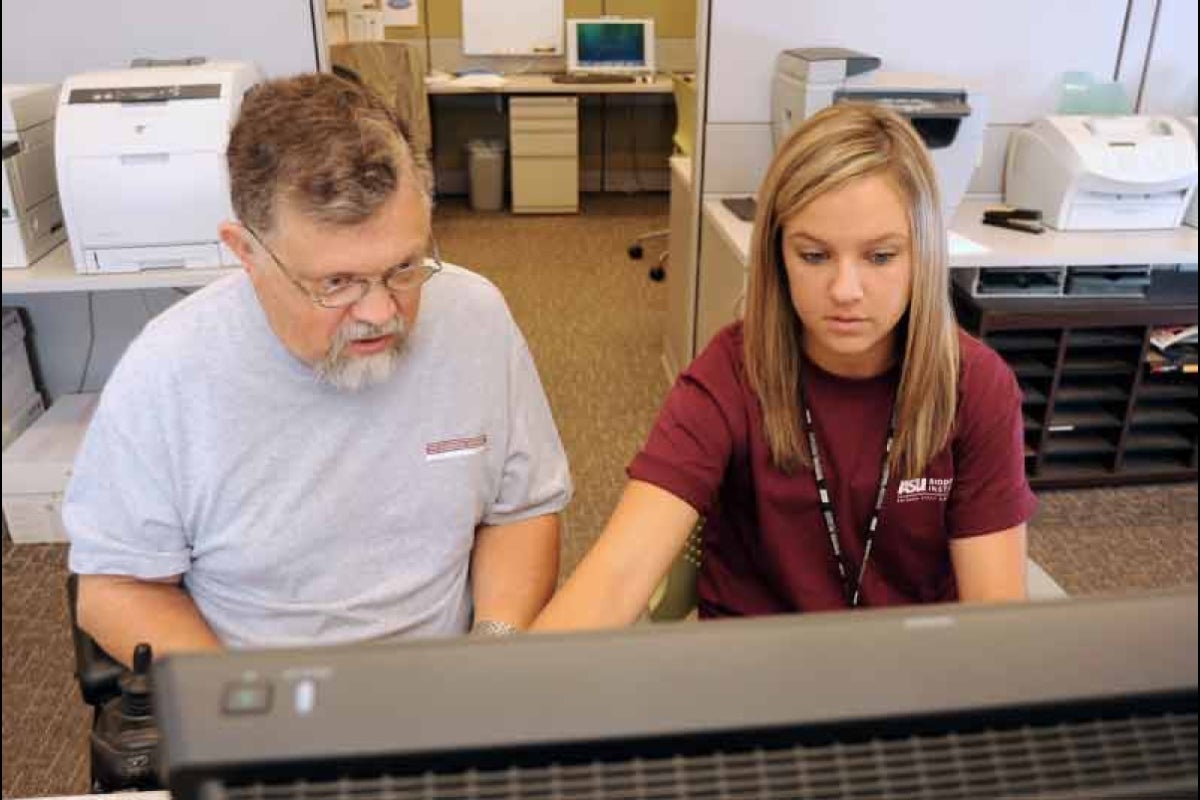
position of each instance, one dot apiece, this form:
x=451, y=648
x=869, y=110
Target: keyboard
x=591, y=77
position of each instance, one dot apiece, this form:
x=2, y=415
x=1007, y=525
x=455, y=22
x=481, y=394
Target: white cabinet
x=544, y=142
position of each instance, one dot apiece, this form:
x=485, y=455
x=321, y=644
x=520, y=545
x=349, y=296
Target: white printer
x=1190, y=216
x=1094, y=173
x=33, y=222
x=141, y=164
x=949, y=118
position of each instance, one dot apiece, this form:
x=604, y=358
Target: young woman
x=846, y=443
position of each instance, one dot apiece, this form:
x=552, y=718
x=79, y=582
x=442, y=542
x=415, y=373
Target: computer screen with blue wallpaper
x=610, y=45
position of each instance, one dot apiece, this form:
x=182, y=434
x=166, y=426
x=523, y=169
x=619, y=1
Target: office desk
x=69, y=310
x=55, y=274
x=542, y=84
x=542, y=121
x=999, y=247
x=725, y=248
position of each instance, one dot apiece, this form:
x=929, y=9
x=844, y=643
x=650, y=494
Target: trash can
x=485, y=163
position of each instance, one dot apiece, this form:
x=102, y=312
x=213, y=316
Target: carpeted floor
x=594, y=324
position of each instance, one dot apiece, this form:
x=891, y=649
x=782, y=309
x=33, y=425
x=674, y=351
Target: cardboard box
x=37, y=467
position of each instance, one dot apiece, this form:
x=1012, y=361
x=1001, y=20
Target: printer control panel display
x=145, y=94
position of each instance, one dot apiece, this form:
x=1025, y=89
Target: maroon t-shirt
x=766, y=549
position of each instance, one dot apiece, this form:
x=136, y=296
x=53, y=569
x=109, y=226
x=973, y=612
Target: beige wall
x=675, y=19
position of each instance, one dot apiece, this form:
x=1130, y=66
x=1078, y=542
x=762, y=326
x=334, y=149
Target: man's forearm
x=121, y=612
x=514, y=569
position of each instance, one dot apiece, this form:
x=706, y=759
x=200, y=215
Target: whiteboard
x=46, y=42
x=512, y=27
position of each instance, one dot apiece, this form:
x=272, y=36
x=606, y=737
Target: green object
x=1083, y=94
x=675, y=596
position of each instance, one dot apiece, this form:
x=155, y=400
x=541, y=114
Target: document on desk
x=483, y=81
x=958, y=245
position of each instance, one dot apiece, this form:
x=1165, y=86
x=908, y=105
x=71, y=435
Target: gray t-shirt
x=299, y=513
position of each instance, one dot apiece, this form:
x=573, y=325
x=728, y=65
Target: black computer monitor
x=1065, y=699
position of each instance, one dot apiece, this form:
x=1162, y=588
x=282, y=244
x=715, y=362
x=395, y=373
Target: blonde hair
x=841, y=144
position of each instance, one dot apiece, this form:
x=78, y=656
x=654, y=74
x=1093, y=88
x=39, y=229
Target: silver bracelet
x=493, y=627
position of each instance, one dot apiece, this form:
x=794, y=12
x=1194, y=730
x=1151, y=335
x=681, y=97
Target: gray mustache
x=356, y=330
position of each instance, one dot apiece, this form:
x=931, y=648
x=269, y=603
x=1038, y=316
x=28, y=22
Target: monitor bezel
x=648, y=46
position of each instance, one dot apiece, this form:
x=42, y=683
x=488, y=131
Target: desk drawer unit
x=544, y=142
x=526, y=108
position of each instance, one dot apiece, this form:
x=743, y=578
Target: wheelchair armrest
x=98, y=673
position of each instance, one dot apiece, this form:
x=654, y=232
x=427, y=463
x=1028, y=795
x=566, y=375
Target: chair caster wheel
x=635, y=251
x=657, y=274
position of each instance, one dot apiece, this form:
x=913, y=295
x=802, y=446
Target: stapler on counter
x=1026, y=220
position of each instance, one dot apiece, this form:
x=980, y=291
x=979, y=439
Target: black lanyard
x=851, y=591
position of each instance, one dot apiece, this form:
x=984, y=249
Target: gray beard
x=353, y=373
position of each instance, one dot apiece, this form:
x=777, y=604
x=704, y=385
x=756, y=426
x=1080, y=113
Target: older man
x=348, y=441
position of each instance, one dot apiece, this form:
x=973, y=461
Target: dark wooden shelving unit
x=1094, y=411
x=1102, y=339
x=1148, y=415
x=1068, y=419
x=1091, y=393
x=1026, y=366
x=1097, y=365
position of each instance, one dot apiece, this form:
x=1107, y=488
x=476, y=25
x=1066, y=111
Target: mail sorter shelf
x=1088, y=417
x=1169, y=391
x=1149, y=415
x=1064, y=281
x=1104, y=339
x=1163, y=424
x=1092, y=413
x=1038, y=342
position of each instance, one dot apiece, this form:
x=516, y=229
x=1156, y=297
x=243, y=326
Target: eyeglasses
x=342, y=291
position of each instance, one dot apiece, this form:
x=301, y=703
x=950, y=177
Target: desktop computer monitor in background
x=610, y=45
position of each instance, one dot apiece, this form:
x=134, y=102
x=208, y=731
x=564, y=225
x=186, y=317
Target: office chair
x=98, y=673
x=396, y=72
x=123, y=740
x=684, y=89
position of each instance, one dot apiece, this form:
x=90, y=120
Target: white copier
x=33, y=222
x=141, y=164
x=1099, y=173
x=1190, y=216
x=949, y=118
